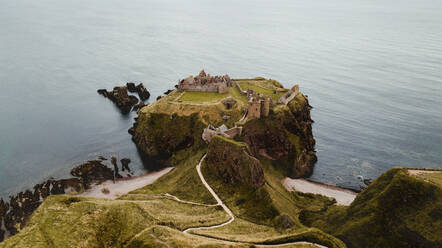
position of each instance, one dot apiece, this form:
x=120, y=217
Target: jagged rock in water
x=138, y=106
x=116, y=171
x=22, y=205
x=140, y=89
x=92, y=171
x=231, y=161
x=125, y=164
x=121, y=98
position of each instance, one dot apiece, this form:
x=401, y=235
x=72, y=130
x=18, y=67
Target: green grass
x=211, y=97
x=432, y=176
x=396, y=210
x=68, y=221
x=256, y=86
x=201, y=97
x=183, y=181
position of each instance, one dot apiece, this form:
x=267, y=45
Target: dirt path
x=232, y=217
x=218, y=200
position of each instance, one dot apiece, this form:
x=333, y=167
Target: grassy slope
x=258, y=211
x=396, y=210
x=68, y=221
x=183, y=181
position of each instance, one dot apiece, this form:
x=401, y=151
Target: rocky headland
x=233, y=143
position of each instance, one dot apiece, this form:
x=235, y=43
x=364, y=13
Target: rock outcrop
x=231, y=161
x=120, y=97
x=285, y=137
x=93, y=171
x=158, y=136
x=22, y=205
x=139, y=89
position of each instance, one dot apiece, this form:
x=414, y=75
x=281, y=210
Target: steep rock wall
x=231, y=161
x=285, y=137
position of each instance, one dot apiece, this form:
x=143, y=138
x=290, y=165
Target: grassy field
x=211, y=97
x=432, y=176
x=201, y=97
x=265, y=87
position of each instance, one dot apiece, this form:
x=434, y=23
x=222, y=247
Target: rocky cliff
x=230, y=160
x=284, y=137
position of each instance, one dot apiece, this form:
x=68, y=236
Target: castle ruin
x=205, y=83
x=287, y=97
x=222, y=130
x=259, y=106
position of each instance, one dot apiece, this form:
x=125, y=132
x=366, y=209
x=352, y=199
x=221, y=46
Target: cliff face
x=159, y=135
x=231, y=161
x=396, y=210
x=285, y=137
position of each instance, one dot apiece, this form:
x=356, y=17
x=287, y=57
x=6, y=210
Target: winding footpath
x=229, y=212
x=218, y=200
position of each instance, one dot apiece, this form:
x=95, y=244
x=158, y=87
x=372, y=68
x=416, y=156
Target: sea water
x=372, y=70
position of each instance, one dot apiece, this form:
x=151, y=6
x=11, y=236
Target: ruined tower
x=254, y=109
x=265, y=107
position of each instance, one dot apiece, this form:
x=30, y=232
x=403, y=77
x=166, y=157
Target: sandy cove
x=124, y=185
x=343, y=196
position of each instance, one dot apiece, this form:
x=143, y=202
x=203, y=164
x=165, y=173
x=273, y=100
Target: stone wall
x=210, y=132
x=287, y=97
x=205, y=83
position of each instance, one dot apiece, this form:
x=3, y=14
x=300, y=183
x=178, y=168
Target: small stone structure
x=205, y=83
x=229, y=103
x=222, y=130
x=287, y=97
x=259, y=106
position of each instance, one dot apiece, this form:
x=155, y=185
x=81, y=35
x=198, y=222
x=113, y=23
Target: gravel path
x=218, y=200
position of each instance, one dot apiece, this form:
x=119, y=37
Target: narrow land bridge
x=232, y=217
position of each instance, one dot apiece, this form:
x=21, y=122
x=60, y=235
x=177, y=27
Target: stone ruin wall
x=286, y=98
x=209, y=132
x=205, y=83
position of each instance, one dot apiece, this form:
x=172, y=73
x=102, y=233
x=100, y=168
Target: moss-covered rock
x=285, y=137
x=159, y=135
x=231, y=161
x=396, y=210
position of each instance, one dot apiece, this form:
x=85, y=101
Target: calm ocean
x=372, y=70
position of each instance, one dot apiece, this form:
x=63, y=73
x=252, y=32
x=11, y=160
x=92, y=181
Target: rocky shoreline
x=15, y=213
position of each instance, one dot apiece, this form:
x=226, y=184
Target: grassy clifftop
x=396, y=210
